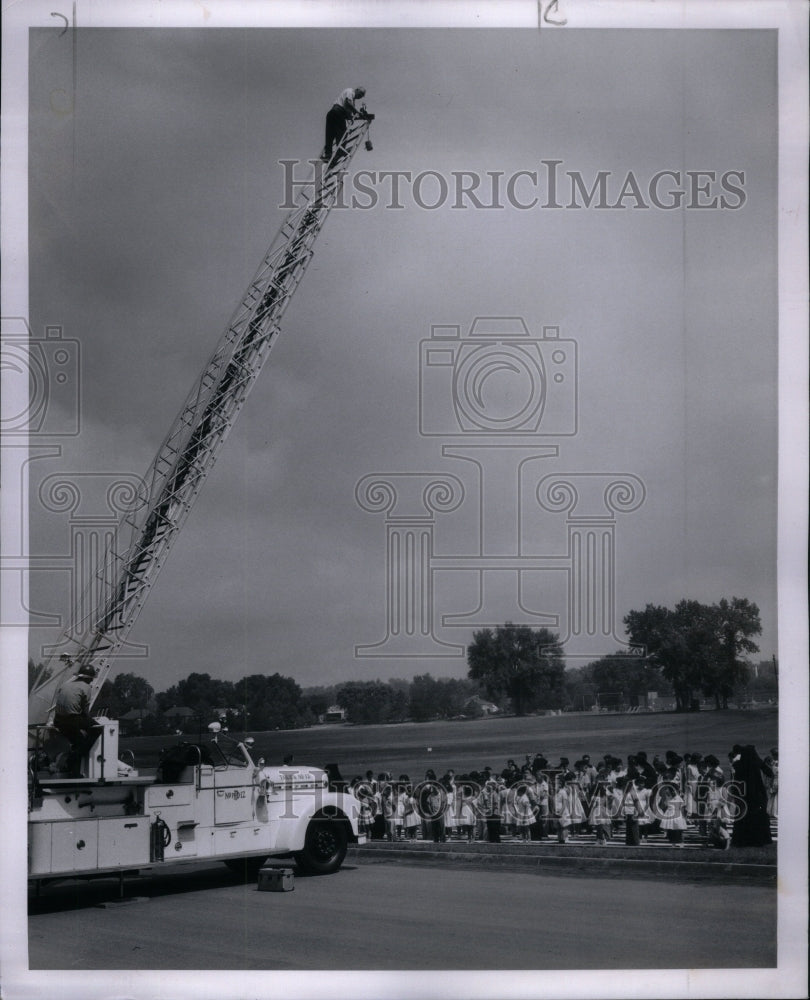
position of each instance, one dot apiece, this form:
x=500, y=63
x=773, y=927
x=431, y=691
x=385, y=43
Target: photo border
x=790, y=19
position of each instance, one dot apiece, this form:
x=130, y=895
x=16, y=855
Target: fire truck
x=208, y=799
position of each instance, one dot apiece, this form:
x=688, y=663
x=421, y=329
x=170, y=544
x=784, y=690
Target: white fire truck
x=207, y=800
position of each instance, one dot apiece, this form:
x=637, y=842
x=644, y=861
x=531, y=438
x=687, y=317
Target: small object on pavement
x=276, y=879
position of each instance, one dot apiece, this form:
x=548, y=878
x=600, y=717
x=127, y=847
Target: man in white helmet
x=72, y=715
x=341, y=112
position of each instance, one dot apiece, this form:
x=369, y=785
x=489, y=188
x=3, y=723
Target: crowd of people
x=638, y=798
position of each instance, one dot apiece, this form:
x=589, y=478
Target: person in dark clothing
x=752, y=828
x=378, y=830
x=645, y=768
x=337, y=118
x=72, y=717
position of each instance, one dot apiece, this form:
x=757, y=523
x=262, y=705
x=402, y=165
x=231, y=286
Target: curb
x=542, y=862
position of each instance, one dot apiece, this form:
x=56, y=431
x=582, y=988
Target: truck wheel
x=324, y=847
x=246, y=868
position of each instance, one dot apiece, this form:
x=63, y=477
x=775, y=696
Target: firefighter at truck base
x=72, y=717
x=337, y=117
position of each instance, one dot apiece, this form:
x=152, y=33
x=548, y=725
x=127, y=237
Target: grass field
x=472, y=744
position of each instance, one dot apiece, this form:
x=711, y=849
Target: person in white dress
x=721, y=819
x=568, y=807
x=691, y=777
x=601, y=811
x=450, y=813
x=524, y=811
x=411, y=821
x=674, y=821
x=403, y=799
x=465, y=811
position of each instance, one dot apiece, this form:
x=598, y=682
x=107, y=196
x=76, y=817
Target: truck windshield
x=227, y=753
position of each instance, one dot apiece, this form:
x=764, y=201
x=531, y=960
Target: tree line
x=690, y=650
x=271, y=701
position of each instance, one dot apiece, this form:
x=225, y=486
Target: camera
x=498, y=379
x=42, y=388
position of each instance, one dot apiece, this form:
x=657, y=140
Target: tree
x=454, y=693
x=398, y=708
x=443, y=698
x=580, y=691
x=764, y=685
x=271, y=701
x=366, y=701
x=131, y=691
x=633, y=676
x=735, y=621
x=200, y=692
x=524, y=665
x=677, y=641
x=697, y=645
x=423, y=704
x=259, y=701
x=319, y=699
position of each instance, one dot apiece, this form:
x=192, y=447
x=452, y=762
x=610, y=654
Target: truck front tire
x=325, y=846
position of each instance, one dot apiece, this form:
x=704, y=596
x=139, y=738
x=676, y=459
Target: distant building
x=657, y=703
x=131, y=722
x=179, y=716
x=478, y=703
x=333, y=714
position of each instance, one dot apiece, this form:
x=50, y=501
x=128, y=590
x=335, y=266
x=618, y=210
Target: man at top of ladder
x=341, y=112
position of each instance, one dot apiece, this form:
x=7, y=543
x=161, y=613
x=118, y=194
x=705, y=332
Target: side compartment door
x=74, y=846
x=123, y=841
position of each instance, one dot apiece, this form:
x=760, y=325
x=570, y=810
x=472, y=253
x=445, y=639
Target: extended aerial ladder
x=144, y=535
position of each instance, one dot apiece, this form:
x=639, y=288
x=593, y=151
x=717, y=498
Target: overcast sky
x=150, y=209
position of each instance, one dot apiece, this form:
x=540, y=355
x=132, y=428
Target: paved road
x=387, y=916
